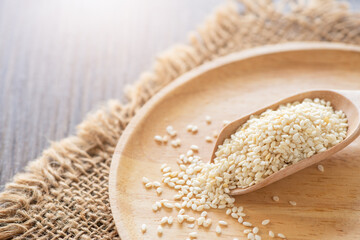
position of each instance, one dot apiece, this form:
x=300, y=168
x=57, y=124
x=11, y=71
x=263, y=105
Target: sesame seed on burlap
x=64, y=193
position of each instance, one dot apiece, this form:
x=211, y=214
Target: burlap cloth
x=64, y=193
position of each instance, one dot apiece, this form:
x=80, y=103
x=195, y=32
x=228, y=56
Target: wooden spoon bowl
x=347, y=101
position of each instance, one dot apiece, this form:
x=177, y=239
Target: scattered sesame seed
x=251, y=236
x=320, y=168
x=191, y=226
x=165, y=139
x=234, y=215
x=228, y=212
x=207, y=223
x=271, y=234
x=280, y=235
x=257, y=237
x=215, y=134
x=255, y=230
x=149, y=185
x=163, y=220
x=218, y=229
x=224, y=223
x=208, y=119
x=180, y=218
x=159, y=190
x=170, y=130
x=193, y=234
x=143, y=228
x=293, y=203
x=208, y=139
x=158, y=139
x=145, y=180
x=170, y=220
x=265, y=222
x=156, y=184
x=240, y=220
x=194, y=129
x=247, y=224
x=276, y=198
x=189, y=128
x=204, y=214
x=246, y=231
x=160, y=230
x=168, y=205
x=194, y=148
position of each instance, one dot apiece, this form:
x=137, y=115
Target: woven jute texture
x=64, y=193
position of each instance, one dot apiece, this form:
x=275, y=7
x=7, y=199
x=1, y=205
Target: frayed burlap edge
x=63, y=194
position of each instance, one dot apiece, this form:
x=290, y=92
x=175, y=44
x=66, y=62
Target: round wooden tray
x=328, y=204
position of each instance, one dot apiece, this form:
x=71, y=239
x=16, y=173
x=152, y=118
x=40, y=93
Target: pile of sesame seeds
x=263, y=145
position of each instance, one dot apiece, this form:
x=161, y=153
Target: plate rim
x=188, y=76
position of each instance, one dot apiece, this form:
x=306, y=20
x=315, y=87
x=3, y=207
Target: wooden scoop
x=347, y=101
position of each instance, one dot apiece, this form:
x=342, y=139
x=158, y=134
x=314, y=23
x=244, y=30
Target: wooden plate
x=328, y=204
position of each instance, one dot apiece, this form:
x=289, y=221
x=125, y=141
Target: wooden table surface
x=60, y=59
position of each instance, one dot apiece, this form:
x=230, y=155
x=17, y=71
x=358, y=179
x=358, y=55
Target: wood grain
x=60, y=59
x=327, y=203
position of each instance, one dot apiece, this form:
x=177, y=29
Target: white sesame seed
x=143, y=228
x=208, y=139
x=194, y=129
x=218, y=229
x=320, y=168
x=190, y=219
x=280, y=235
x=158, y=139
x=159, y=190
x=149, y=185
x=200, y=221
x=168, y=205
x=234, y=215
x=208, y=119
x=156, y=184
x=265, y=222
x=228, y=212
x=224, y=223
x=189, y=128
x=207, y=223
x=193, y=234
x=293, y=203
x=251, y=236
x=180, y=218
x=246, y=231
x=240, y=220
x=145, y=180
x=204, y=214
x=257, y=237
x=163, y=220
x=247, y=224
x=276, y=198
x=165, y=139
x=271, y=234
x=160, y=230
x=191, y=226
x=170, y=220
x=255, y=230
x=194, y=148
x=215, y=134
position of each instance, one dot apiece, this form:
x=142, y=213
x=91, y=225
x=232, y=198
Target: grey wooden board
x=59, y=59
